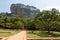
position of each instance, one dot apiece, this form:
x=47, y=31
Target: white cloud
x=50, y=7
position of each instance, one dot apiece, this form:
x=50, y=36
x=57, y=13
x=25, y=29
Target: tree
x=47, y=20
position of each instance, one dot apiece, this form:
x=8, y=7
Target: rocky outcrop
x=23, y=10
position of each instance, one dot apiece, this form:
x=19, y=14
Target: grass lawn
x=38, y=34
x=7, y=32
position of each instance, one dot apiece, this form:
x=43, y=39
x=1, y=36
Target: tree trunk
x=48, y=30
x=32, y=31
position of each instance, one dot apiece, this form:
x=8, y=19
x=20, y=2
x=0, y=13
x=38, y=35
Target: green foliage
x=47, y=20
x=11, y=22
x=44, y=20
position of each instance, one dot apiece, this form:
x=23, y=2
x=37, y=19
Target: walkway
x=20, y=36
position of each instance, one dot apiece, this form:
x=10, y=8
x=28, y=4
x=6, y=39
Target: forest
x=46, y=20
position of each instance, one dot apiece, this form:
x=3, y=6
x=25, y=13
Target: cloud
x=50, y=7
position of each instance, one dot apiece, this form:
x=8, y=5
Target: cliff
x=23, y=10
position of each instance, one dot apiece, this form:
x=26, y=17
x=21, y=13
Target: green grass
x=35, y=34
x=7, y=32
x=38, y=34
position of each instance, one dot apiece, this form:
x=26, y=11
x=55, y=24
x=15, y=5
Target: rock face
x=23, y=10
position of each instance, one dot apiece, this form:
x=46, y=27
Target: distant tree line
x=46, y=20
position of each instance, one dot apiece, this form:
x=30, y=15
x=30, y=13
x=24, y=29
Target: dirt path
x=20, y=36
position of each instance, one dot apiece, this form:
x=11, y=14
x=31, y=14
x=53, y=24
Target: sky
x=40, y=4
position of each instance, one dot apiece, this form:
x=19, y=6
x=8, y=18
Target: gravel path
x=20, y=36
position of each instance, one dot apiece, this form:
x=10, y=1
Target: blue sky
x=40, y=4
